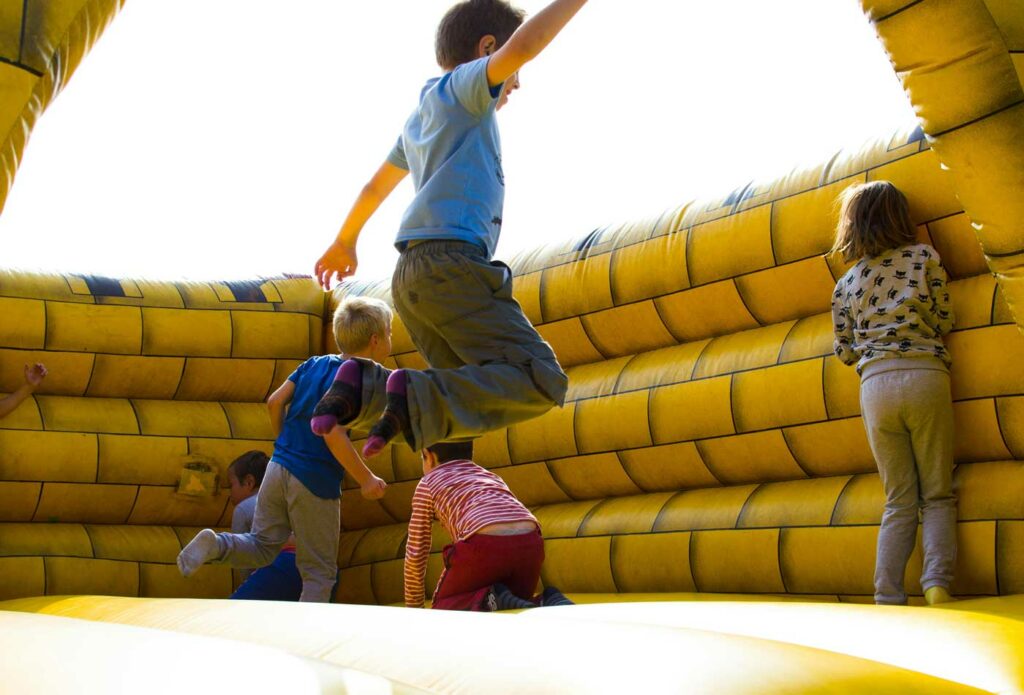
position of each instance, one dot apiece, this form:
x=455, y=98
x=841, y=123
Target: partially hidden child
x=34, y=375
x=497, y=551
x=280, y=580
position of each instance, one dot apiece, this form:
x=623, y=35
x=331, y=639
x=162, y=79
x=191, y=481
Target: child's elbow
x=526, y=51
x=275, y=402
x=847, y=357
x=947, y=321
x=374, y=192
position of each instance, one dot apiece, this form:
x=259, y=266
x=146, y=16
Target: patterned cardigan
x=892, y=305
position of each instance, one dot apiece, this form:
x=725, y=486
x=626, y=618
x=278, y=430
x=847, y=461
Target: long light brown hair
x=873, y=217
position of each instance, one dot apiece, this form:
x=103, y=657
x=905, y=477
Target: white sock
x=203, y=548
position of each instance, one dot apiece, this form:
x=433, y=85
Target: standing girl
x=890, y=311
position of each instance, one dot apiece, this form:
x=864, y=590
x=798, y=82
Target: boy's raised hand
x=530, y=39
x=373, y=488
x=338, y=260
x=34, y=374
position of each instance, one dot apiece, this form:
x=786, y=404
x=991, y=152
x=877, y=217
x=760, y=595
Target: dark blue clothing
x=298, y=449
x=278, y=581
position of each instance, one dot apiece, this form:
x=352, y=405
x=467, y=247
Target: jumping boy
x=301, y=490
x=489, y=366
x=495, y=559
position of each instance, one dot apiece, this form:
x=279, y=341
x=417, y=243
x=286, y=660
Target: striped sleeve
x=467, y=498
x=417, y=546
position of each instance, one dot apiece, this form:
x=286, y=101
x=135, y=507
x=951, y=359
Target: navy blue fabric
x=278, y=581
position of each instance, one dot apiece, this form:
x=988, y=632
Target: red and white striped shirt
x=465, y=498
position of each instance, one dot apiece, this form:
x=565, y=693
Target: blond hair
x=873, y=217
x=357, y=319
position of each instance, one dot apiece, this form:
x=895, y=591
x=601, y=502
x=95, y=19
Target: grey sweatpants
x=908, y=414
x=284, y=505
x=489, y=366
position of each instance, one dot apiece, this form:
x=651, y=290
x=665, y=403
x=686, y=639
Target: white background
x=228, y=138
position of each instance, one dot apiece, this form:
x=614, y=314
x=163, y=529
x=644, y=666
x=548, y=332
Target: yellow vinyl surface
x=618, y=647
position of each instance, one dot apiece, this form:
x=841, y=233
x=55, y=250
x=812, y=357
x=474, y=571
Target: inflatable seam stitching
x=896, y=12
x=976, y=120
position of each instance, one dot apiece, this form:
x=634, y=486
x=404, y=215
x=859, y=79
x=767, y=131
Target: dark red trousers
x=473, y=565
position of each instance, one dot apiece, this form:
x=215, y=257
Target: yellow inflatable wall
x=711, y=444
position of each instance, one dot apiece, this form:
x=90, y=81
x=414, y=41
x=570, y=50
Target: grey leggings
x=285, y=506
x=908, y=415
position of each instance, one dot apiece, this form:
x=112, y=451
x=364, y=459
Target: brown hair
x=357, y=319
x=873, y=217
x=466, y=23
x=452, y=451
x=252, y=463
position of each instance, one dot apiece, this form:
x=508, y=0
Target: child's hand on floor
x=373, y=488
x=34, y=374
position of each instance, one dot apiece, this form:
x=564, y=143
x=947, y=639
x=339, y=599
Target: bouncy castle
x=707, y=493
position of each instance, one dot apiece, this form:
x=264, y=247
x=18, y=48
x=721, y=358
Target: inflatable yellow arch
x=707, y=492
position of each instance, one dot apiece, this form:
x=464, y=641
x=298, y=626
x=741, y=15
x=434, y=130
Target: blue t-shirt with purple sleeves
x=304, y=454
x=451, y=147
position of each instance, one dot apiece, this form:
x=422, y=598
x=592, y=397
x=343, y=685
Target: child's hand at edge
x=373, y=488
x=338, y=260
x=34, y=374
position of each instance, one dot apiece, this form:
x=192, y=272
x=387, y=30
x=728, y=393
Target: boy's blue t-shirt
x=451, y=147
x=297, y=448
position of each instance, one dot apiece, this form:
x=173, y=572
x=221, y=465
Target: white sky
x=228, y=138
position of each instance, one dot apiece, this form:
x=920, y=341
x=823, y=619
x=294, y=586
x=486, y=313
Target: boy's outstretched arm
x=340, y=257
x=371, y=487
x=34, y=375
x=530, y=39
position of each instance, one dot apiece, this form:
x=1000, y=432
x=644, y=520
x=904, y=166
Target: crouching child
x=497, y=551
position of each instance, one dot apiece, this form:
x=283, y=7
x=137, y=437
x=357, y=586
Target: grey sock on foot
x=553, y=597
x=501, y=598
x=203, y=548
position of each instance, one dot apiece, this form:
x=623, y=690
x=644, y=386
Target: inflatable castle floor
x=707, y=494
